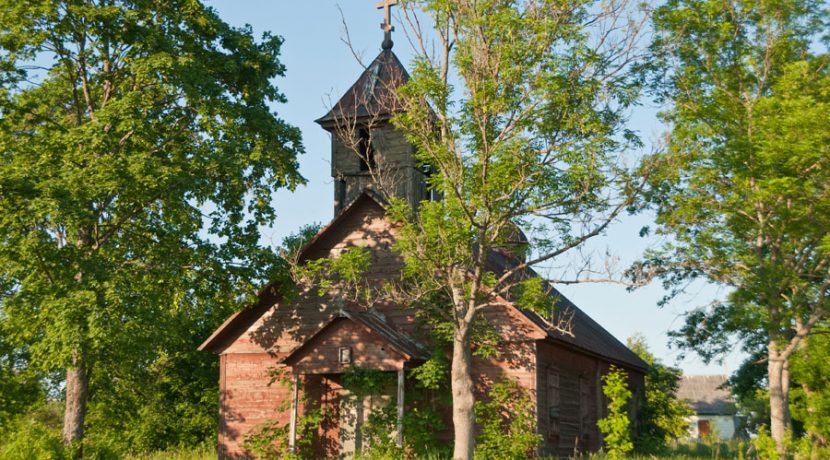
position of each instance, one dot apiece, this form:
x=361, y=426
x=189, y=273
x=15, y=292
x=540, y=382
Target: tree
x=138, y=158
x=520, y=116
x=662, y=418
x=745, y=196
x=616, y=426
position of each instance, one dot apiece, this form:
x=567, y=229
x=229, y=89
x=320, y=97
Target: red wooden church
x=315, y=340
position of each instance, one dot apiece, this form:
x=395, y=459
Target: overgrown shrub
x=34, y=436
x=615, y=427
x=802, y=448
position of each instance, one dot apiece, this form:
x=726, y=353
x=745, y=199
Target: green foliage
x=422, y=421
x=811, y=389
x=749, y=387
x=269, y=440
x=803, y=448
x=508, y=423
x=765, y=446
x=381, y=422
x=532, y=294
x=139, y=156
x=33, y=436
x=192, y=453
x=343, y=273
x=615, y=427
x=362, y=382
x=433, y=374
x=661, y=420
x=20, y=386
x=522, y=125
x=743, y=188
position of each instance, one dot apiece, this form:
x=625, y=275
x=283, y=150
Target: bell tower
x=367, y=152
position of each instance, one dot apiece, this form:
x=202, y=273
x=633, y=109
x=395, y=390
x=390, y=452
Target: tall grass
x=192, y=453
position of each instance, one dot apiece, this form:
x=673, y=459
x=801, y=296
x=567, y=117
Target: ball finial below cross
x=386, y=25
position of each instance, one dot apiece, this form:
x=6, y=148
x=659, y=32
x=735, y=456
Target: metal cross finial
x=386, y=25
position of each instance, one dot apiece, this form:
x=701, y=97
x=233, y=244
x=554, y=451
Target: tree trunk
x=463, y=401
x=778, y=398
x=77, y=394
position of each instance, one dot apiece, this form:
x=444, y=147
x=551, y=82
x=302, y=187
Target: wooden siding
x=568, y=421
x=395, y=162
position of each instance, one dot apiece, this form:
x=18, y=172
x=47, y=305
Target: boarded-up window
x=554, y=401
x=584, y=407
x=570, y=411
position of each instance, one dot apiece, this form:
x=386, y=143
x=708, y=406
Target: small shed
x=713, y=406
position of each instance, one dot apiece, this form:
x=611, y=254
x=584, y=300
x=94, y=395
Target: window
x=345, y=355
x=365, y=150
x=430, y=193
x=584, y=407
x=554, y=401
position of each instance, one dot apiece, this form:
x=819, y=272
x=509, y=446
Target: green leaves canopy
x=138, y=154
x=745, y=193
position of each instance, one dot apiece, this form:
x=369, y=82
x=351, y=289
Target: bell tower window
x=365, y=151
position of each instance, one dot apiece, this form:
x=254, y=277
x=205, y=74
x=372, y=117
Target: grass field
x=679, y=452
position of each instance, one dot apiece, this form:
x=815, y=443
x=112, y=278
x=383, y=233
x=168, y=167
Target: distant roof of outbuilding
x=373, y=95
x=707, y=394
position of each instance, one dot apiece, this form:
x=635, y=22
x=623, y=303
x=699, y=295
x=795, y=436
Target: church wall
x=571, y=400
x=246, y=399
x=513, y=361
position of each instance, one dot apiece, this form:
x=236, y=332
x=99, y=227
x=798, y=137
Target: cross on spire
x=386, y=25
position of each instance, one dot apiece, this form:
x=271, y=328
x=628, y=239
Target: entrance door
x=354, y=414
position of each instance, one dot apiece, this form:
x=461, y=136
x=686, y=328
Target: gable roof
x=588, y=335
x=707, y=394
x=400, y=342
x=269, y=295
x=374, y=92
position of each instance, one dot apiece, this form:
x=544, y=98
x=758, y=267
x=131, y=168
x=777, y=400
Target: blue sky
x=320, y=68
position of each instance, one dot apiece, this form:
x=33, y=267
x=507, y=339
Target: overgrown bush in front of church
x=615, y=427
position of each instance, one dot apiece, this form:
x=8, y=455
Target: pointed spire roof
x=373, y=95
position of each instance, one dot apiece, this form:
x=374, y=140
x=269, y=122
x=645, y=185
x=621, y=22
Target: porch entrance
x=353, y=340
